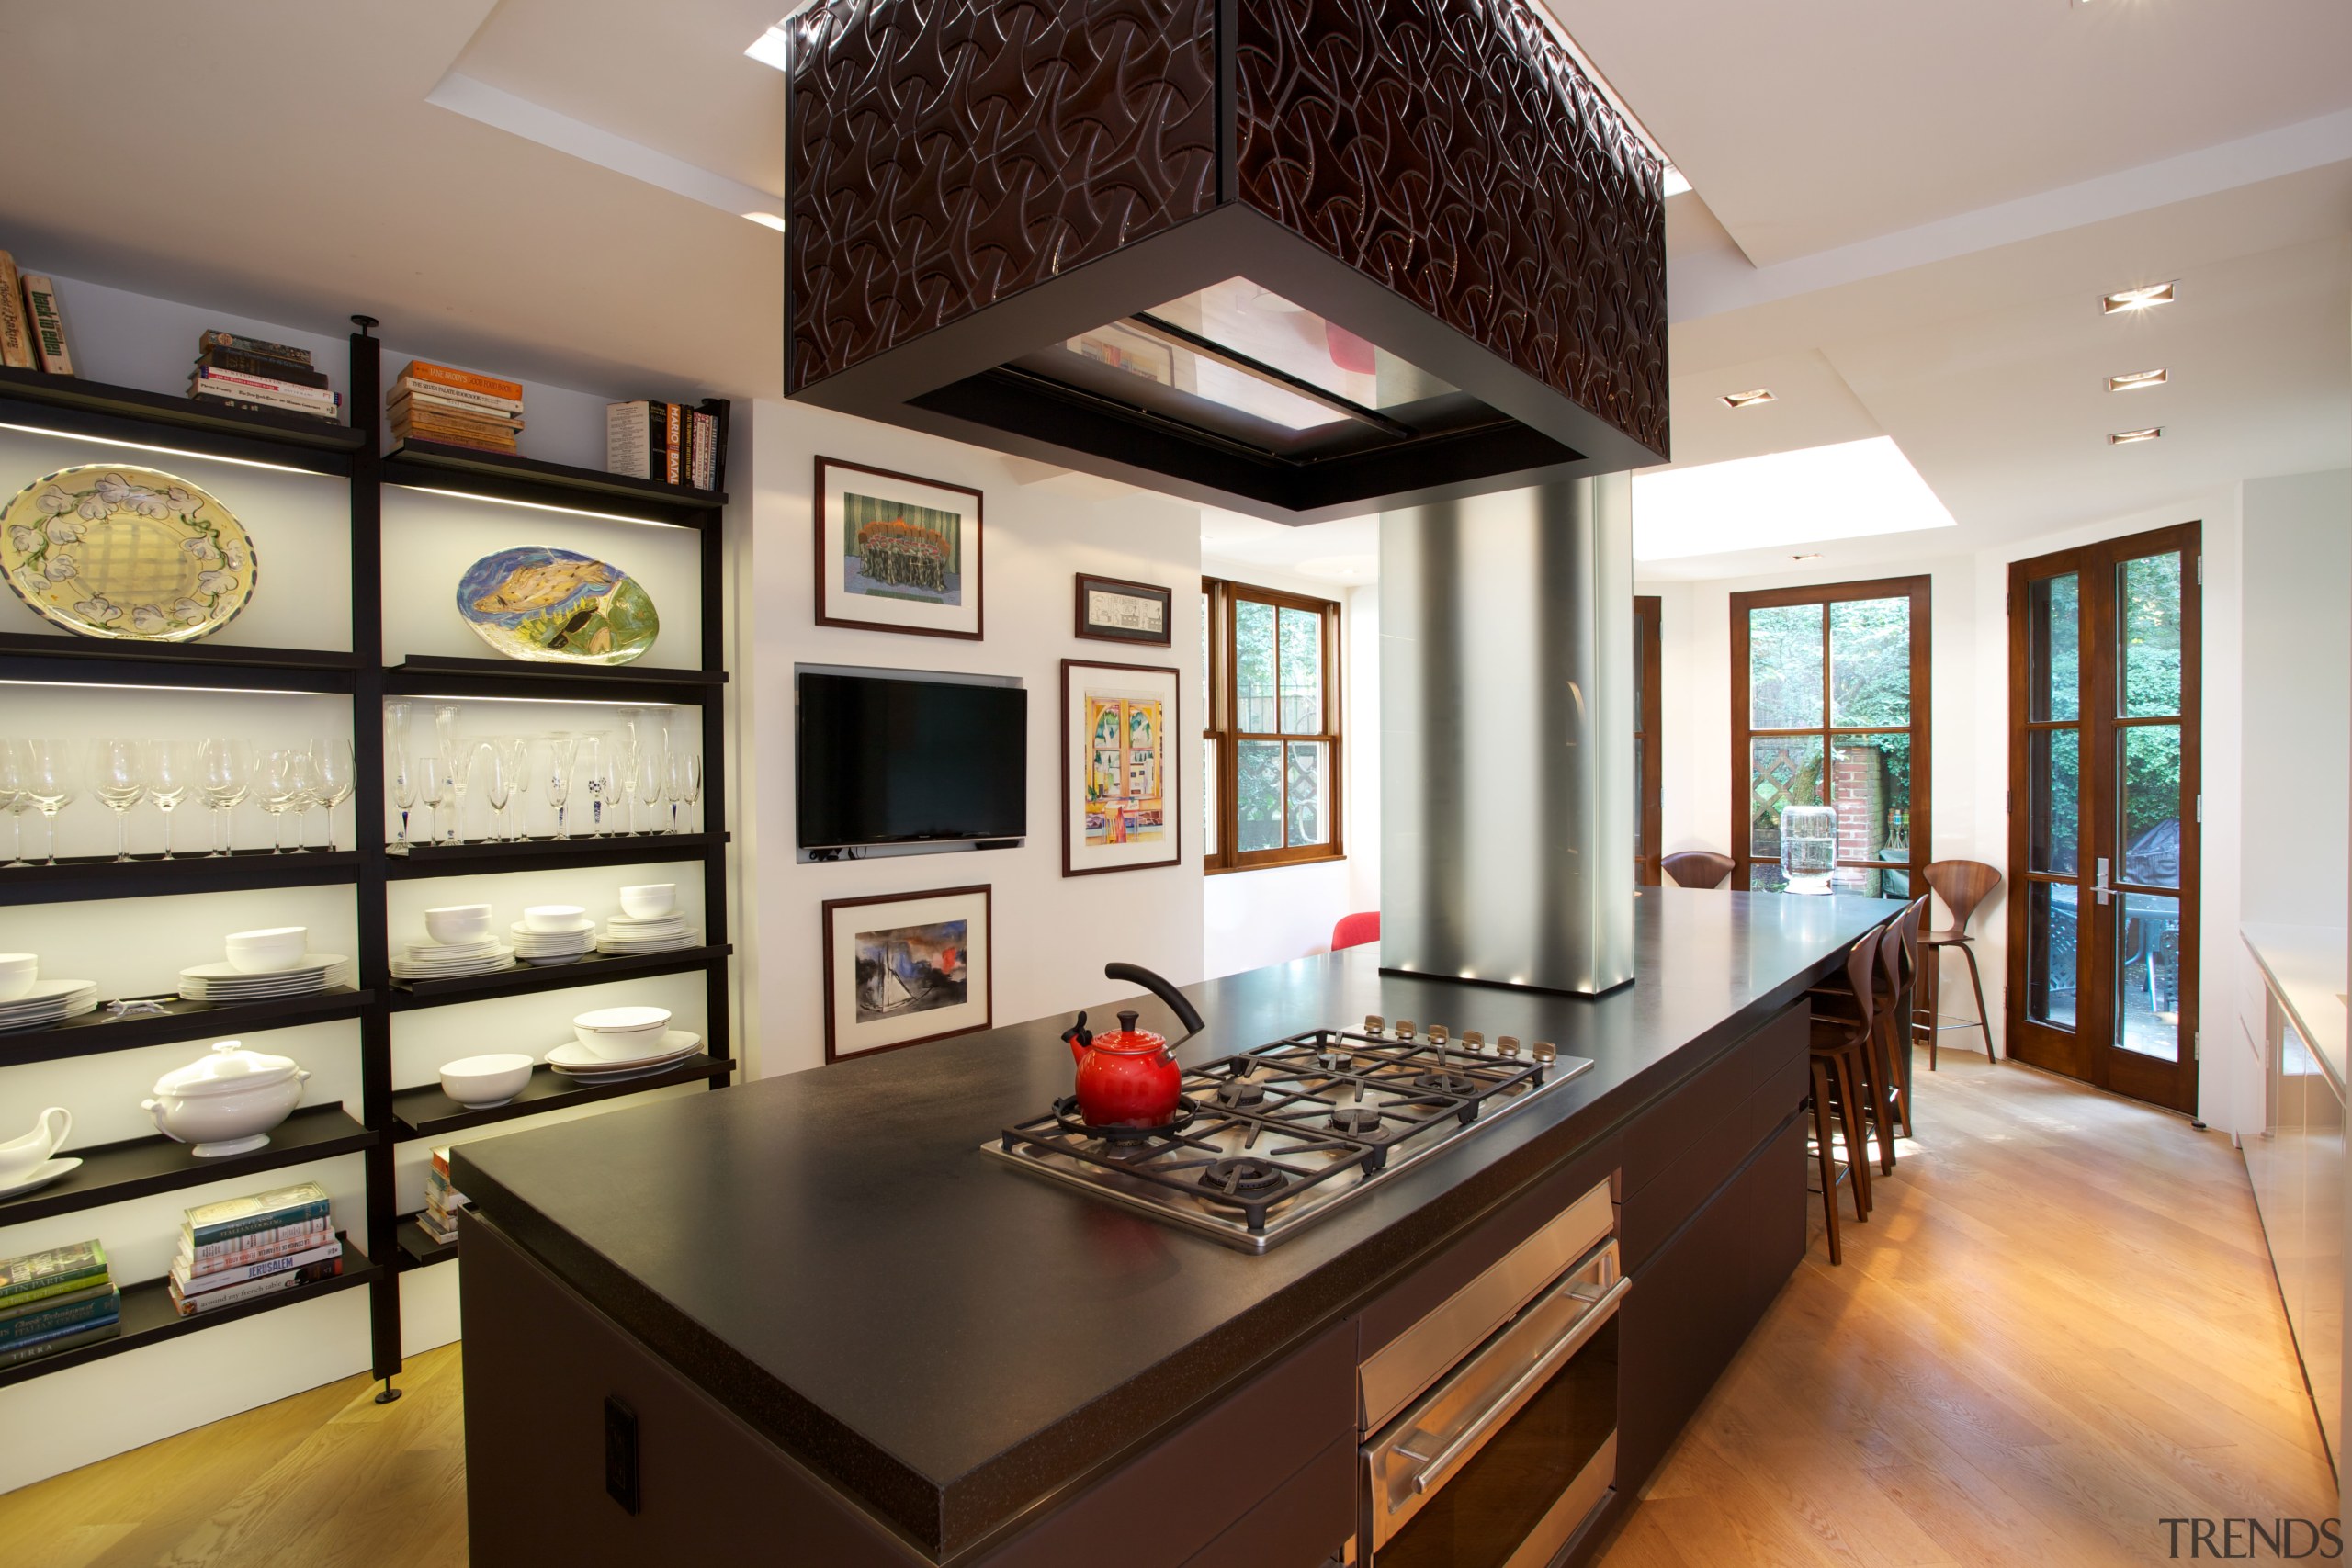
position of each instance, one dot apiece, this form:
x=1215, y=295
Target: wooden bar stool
x=1697, y=868
x=1837, y=1076
x=1963, y=884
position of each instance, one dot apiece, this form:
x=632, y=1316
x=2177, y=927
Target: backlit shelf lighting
x=541, y=506
x=166, y=451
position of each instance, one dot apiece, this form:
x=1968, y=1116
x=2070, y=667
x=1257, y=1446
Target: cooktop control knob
x=1439, y=1036
x=1404, y=1028
x=1473, y=1040
x=1546, y=1051
x=1374, y=1025
x=1507, y=1045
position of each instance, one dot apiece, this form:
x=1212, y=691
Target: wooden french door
x=2103, y=814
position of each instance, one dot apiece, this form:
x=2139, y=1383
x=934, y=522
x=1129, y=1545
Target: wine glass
x=562, y=751
x=335, y=773
x=227, y=771
x=402, y=781
x=118, y=777
x=680, y=766
x=13, y=798
x=282, y=785
x=516, y=749
x=595, y=778
x=172, y=771
x=651, y=778
x=49, y=779
x=497, y=784
x=694, y=790
x=403, y=796
x=457, y=759
x=623, y=776
x=435, y=789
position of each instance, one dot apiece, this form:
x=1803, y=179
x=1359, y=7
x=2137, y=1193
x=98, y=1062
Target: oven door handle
x=1508, y=1401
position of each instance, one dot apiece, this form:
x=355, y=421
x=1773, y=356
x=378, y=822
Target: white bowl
x=649, y=900
x=268, y=951
x=17, y=973
x=479, y=1082
x=552, y=916
x=457, y=925
x=621, y=1035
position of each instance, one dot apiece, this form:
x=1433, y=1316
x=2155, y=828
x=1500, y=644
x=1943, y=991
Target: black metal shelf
x=81, y=877
x=437, y=464
x=74, y=406
x=95, y=1033
x=429, y=675
x=406, y=995
x=540, y=854
x=66, y=660
x=149, y=1317
x=426, y=1112
x=418, y=1250
x=139, y=1167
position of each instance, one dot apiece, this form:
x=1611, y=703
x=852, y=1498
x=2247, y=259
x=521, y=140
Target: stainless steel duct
x=1507, y=736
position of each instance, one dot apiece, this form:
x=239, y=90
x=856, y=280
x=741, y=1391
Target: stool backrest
x=1963, y=884
x=1354, y=930
x=1697, y=868
x=1861, y=960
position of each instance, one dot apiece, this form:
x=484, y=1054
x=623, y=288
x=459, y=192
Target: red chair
x=1354, y=930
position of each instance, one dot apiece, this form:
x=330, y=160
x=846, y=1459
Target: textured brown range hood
x=1301, y=258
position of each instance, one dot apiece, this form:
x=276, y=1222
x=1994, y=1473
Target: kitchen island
x=807, y=1312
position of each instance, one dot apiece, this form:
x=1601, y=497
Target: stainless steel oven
x=1490, y=1426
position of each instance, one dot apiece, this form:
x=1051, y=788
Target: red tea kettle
x=1129, y=1076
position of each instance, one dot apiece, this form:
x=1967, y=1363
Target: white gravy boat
x=19, y=1158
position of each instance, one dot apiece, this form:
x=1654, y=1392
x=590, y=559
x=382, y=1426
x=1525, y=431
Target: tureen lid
x=229, y=1067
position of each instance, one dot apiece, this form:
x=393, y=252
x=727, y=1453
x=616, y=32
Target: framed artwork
x=1112, y=611
x=902, y=968
x=896, y=553
x=1122, y=742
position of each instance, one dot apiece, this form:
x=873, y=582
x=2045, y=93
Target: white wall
x=1969, y=712
x=1051, y=933
x=2298, y=707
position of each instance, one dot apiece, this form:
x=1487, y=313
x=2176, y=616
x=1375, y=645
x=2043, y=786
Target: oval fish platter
x=555, y=607
x=111, y=550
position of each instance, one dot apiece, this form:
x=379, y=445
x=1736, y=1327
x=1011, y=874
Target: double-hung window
x=1271, y=741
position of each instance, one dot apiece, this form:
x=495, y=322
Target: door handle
x=2100, y=888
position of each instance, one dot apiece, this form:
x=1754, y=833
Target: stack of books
x=248, y=373
x=670, y=443
x=56, y=1301
x=32, y=333
x=442, y=1202
x=241, y=1249
x=434, y=402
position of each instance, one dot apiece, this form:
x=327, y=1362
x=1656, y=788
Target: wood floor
x=2059, y=1327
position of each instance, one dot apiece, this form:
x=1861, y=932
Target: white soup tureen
x=226, y=1102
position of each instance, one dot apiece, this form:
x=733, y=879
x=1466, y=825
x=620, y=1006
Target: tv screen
x=888, y=761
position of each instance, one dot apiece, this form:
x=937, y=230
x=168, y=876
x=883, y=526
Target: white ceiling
x=1903, y=215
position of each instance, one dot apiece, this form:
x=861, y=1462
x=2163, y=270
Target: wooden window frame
x=1918, y=590
x=1648, y=656
x=1223, y=599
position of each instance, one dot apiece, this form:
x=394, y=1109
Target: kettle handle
x=1136, y=974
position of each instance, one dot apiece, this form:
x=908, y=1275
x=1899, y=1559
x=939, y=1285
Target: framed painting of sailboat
x=903, y=968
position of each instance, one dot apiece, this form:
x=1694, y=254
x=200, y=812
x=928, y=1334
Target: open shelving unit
x=389, y=1114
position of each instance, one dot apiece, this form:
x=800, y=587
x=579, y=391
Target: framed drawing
x=896, y=553
x=1112, y=611
x=902, y=968
x=1122, y=742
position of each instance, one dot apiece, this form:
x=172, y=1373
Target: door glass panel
x=1258, y=794
x=2147, y=974
x=1208, y=794
x=1253, y=668
x=1784, y=667
x=1869, y=784
x=2054, y=797
x=2147, y=622
x=2149, y=766
x=1641, y=786
x=2055, y=638
x=2049, y=954
x=1783, y=770
x=1766, y=877
x=1870, y=660
x=1301, y=672
x=1310, y=774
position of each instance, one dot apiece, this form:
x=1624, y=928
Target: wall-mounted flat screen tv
x=892, y=759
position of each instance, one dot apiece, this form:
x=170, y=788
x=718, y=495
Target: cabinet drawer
x=1663, y=1138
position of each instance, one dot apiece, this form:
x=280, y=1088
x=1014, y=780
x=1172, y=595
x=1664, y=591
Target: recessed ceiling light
x=2139, y=299
x=1809, y=555
x=1749, y=398
x=2138, y=380
x=2126, y=438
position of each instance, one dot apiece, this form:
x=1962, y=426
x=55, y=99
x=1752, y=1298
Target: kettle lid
x=1128, y=1037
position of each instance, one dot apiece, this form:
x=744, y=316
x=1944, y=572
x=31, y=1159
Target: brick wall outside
x=1858, y=789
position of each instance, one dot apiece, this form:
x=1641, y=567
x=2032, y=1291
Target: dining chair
x=1356, y=930
x=1963, y=886
x=1697, y=868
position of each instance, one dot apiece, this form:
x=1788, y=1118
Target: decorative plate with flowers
x=111, y=550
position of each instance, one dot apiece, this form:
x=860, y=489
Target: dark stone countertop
x=950, y=1342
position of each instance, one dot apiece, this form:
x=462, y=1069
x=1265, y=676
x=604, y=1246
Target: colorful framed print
x=896, y=553
x=1122, y=746
x=903, y=968
x=1110, y=610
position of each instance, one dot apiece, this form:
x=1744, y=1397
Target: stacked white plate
x=49, y=1001
x=438, y=961
x=565, y=946
x=663, y=933
x=224, y=982
x=574, y=1060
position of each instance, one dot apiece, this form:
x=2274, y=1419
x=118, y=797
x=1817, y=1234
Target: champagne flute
x=652, y=776
x=679, y=767
x=172, y=771
x=282, y=776
x=457, y=759
x=403, y=783
x=335, y=773
x=594, y=777
x=497, y=784
x=403, y=796
x=516, y=749
x=228, y=774
x=623, y=776
x=562, y=750
x=694, y=790
x=13, y=800
x=432, y=793
x=49, y=779
x=118, y=777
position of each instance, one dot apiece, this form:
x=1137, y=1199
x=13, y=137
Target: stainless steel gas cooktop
x=1267, y=1142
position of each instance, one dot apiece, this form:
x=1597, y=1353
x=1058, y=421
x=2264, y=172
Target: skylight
x=1844, y=492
